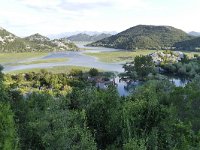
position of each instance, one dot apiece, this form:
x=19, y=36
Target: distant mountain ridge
x=88, y=38
x=145, y=37
x=68, y=34
x=138, y=37
x=193, y=33
x=34, y=43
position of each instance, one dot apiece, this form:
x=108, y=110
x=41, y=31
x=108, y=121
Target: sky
x=26, y=17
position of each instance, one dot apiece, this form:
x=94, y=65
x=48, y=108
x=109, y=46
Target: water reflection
x=80, y=59
x=178, y=81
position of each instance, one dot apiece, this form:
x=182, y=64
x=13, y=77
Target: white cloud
x=25, y=17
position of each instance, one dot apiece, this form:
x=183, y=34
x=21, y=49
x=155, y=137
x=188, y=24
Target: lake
x=81, y=59
x=75, y=59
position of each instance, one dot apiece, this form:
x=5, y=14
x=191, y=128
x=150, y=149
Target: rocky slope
x=34, y=43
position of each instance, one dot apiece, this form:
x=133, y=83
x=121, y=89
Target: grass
x=119, y=56
x=14, y=57
x=58, y=69
x=191, y=54
x=50, y=60
x=126, y=56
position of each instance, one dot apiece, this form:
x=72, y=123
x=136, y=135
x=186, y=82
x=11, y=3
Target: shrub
x=93, y=72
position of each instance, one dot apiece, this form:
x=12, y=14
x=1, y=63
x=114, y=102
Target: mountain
x=68, y=34
x=39, y=42
x=34, y=43
x=192, y=44
x=37, y=38
x=88, y=38
x=10, y=42
x=144, y=37
x=193, y=33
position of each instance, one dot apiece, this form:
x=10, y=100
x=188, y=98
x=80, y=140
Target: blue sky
x=25, y=17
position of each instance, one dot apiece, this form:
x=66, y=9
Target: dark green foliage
x=8, y=139
x=139, y=68
x=135, y=144
x=8, y=136
x=192, y=44
x=186, y=68
x=76, y=72
x=93, y=72
x=145, y=37
x=103, y=105
x=156, y=116
x=50, y=125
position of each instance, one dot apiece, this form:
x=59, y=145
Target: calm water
x=75, y=59
x=179, y=82
x=80, y=59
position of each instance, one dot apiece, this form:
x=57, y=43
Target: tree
x=8, y=138
x=135, y=144
x=50, y=125
x=93, y=72
x=140, y=67
x=76, y=72
x=1, y=74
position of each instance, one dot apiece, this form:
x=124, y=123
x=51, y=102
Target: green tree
x=50, y=125
x=135, y=144
x=8, y=138
x=93, y=72
x=140, y=67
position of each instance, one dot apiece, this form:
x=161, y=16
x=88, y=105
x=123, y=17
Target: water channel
x=79, y=58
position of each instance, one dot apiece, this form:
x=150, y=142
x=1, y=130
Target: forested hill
x=34, y=43
x=89, y=38
x=193, y=44
x=145, y=37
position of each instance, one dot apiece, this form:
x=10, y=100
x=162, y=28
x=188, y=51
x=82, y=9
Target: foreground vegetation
x=54, y=70
x=59, y=111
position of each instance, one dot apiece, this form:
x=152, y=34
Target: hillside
x=193, y=44
x=10, y=43
x=145, y=37
x=39, y=42
x=34, y=43
x=89, y=38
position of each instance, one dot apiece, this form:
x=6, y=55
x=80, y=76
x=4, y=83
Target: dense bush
x=188, y=68
x=157, y=115
x=93, y=72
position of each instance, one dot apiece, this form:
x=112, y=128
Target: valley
x=99, y=75
x=101, y=94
